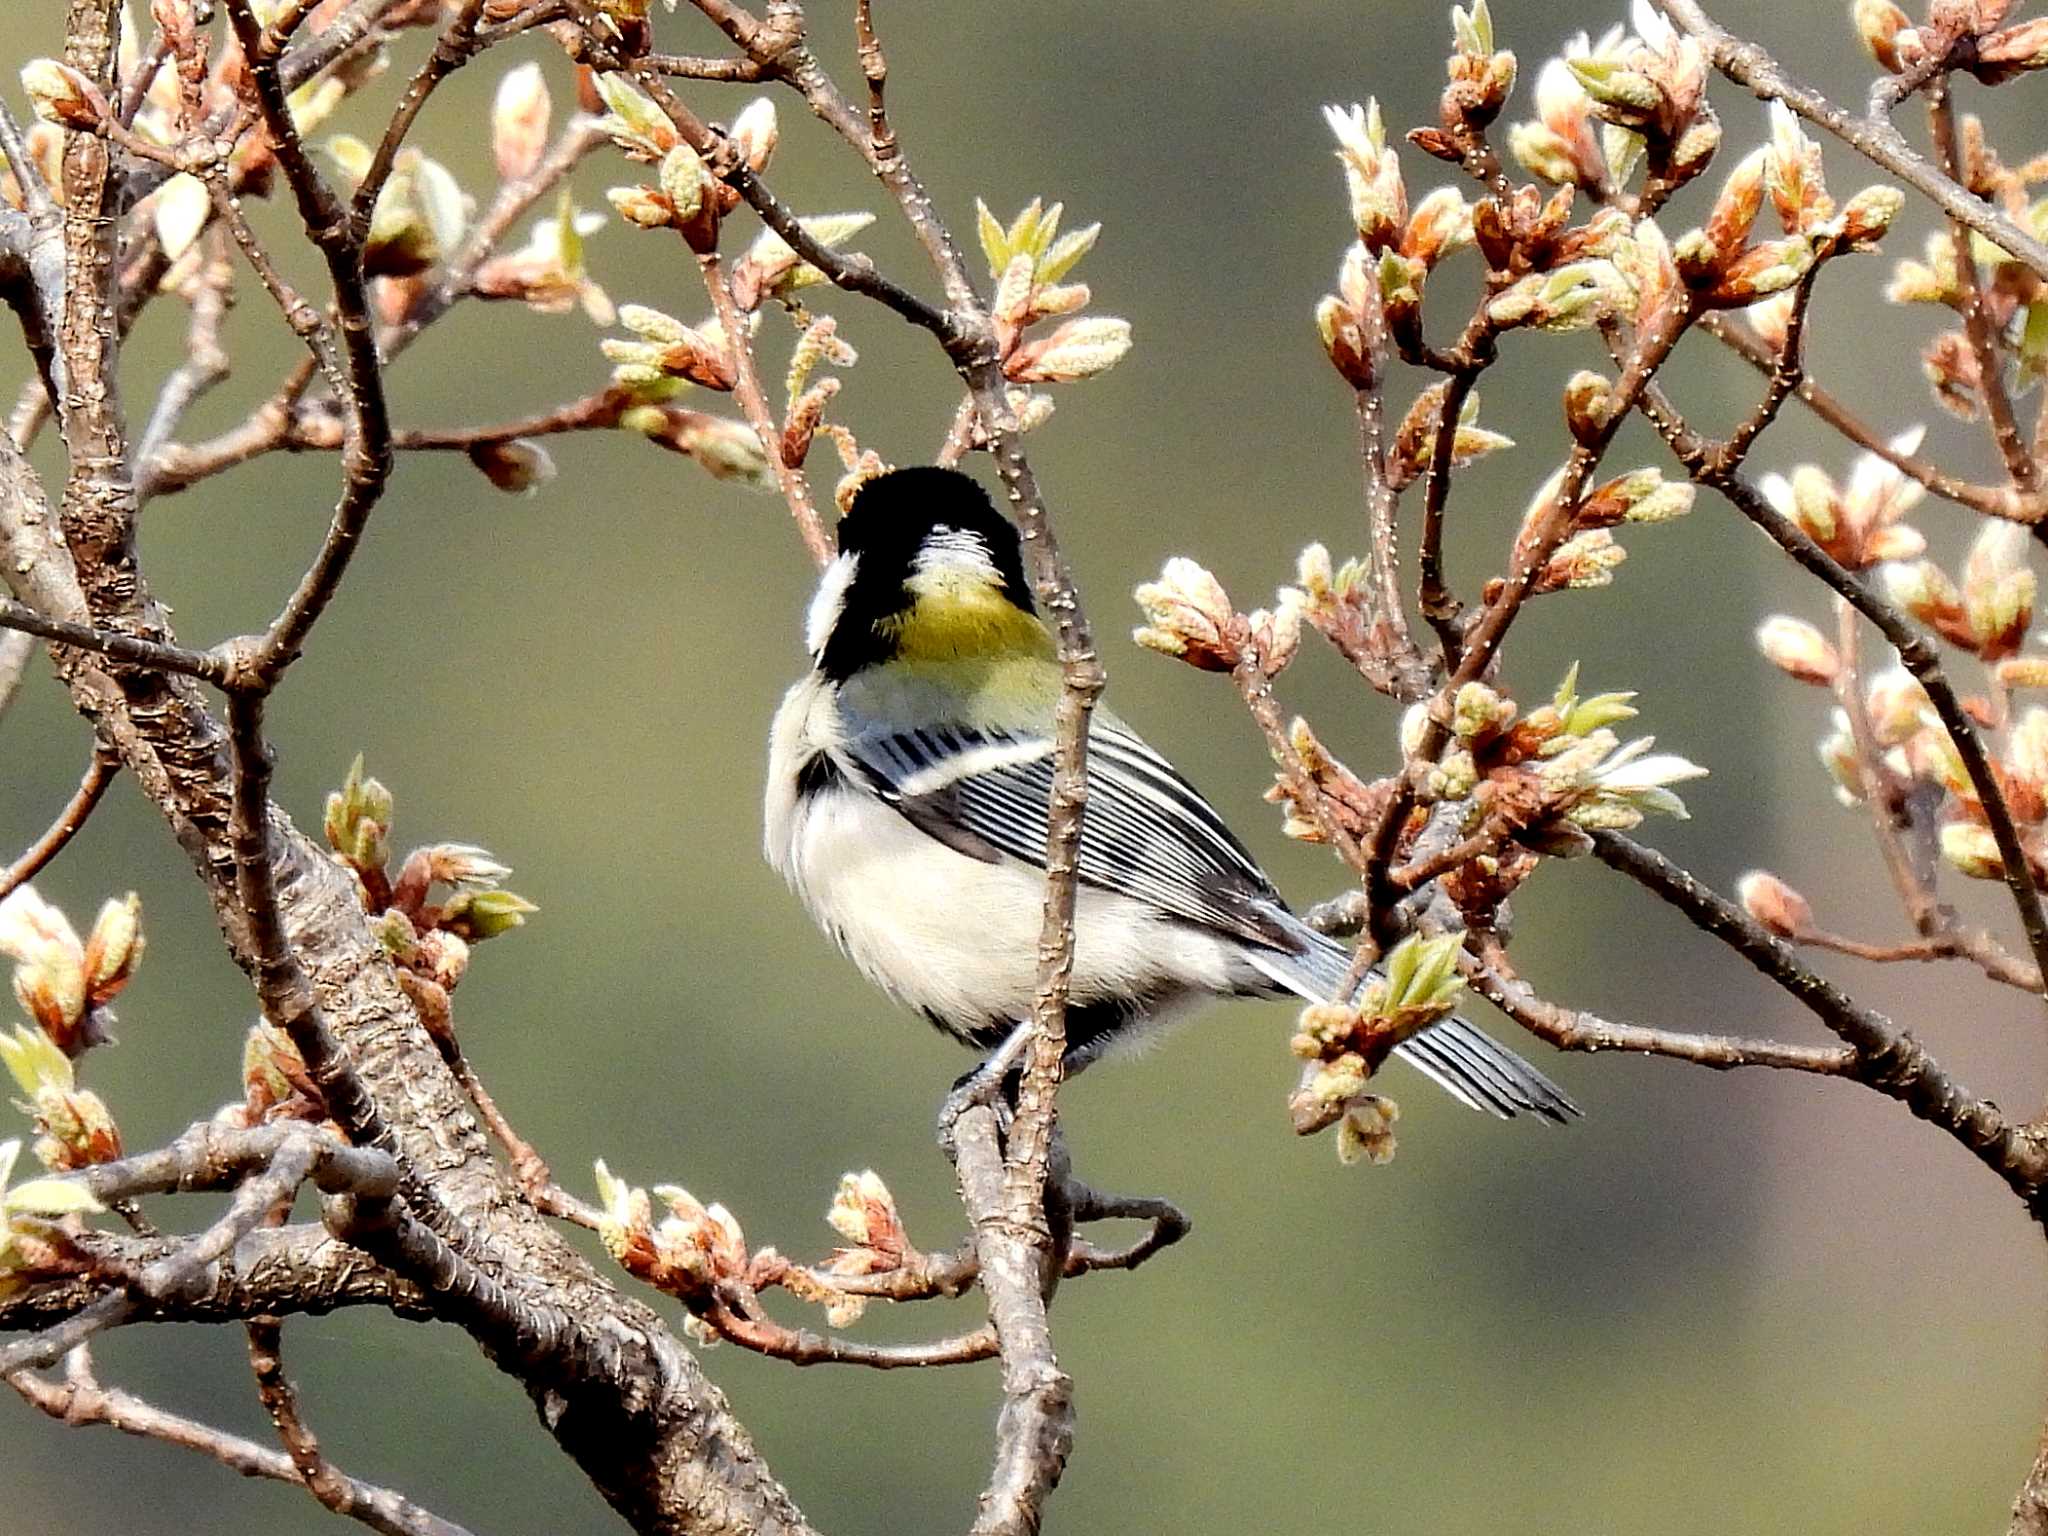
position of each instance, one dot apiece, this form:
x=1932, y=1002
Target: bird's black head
x=927, y=570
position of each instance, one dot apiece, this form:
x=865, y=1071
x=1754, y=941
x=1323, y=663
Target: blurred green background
x=1744, y=1302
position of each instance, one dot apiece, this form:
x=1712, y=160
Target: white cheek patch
x=947, y=556
x=828, y=602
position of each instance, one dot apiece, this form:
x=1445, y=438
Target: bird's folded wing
x=1147, y=833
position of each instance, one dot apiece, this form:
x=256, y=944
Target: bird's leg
x=992, y=1085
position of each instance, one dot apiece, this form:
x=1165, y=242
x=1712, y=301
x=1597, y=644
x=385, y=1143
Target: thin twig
x=206, y=363
x=287, y=995
x=1874, y=138
x=1574, y=1029
x=690, y=66
x=1916, y=654
x=1998, y=411
x=367, y=461
x=1888, y=1059
x=1439, y=605
x=1947, y=944
x=99, y=773
x=1882, y=794
x=204, y=665
x=1993, y=500
x=1035, y=1429
x=280, y=1399
x=804, y=1346
x=789, y=478
x=455, y=47
x=79, y=1403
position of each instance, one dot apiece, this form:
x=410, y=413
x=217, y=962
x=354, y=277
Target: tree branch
x=1888, y=1059
x=99, y=773
x=84, y=1402
x=1873, y=138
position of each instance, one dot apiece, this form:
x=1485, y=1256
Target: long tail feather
x=1460, y=1058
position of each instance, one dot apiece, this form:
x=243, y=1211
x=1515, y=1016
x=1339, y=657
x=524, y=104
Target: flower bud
x=2013, y=51
x=1379, y=198
x=1078, y=349
x=754, y=133
x=1867, y=215
x=1344, y=342
x=1998, y=589
x=682, y=182
x=1799, y=650
x=1189, y=615
x=1588, y=405
x=518, y=466
x=1584, y=560
x=1741, y=199
x=1878, y=24
x=1972, y=850
x=1774, y=904
x=519, y=121
x=641, y=205
x=1365, y=1134
x=1897, y=706
x=113, y=948
x=2023, y=672
x=1924, y=590
x=59, y=94
x=1277, y=634
x=1478, y=712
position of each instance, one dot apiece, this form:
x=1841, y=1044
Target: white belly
x=958, y=938
x=952, y=936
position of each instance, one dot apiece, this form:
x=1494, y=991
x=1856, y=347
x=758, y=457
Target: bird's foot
x=992, y=1086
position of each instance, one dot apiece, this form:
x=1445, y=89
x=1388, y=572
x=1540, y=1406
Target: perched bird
x=908, y=776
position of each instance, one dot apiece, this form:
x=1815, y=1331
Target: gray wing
x=1147, y=834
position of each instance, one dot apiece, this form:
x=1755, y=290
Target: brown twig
x=1408, y=673
x=1882, y=794
x=1993, y=500
x=2005, y=427
x=1916, y=654
x=287, y=995
x=1439, y=605
x=529, y=1168
x=746, y=389
x=367, y=460
x=1035, y=1429
x=1574, y=1029
x=874, y=68
x=688, y=66
x=83, y=1402
x=99, y=773
x=511, y=203
x=1947, y=944
x=1442, y=862
x=960, y=434
x=1874, y=138
x=293, y=1156
x=205, y=665
x=804, y=1346
x=206, y=362
x=453, y=48
x=280, y=1399
x=1887, y=1058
